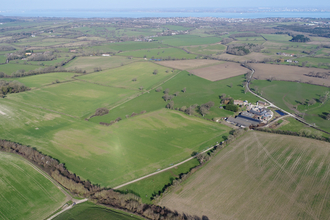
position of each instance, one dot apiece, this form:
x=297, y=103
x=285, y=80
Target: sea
x=142, y=14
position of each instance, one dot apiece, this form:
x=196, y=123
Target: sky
x=153, y=4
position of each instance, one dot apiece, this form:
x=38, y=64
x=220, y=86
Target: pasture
x=289, y=73
x=25, y=193
x=37, y=81
x=128, y=46
x=11, y=68
x=90, y=211
x=161, y=53
x=112, y=155
x=75, y=98
x=198, y=91
x=292, y=96
x=207, y=49
x=188, y=64
x=186, y=40
x=259, y=176
x=122, y=77
x=90, y=63
x=220, y=71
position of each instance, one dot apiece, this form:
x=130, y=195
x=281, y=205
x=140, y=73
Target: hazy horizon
x=149, y=4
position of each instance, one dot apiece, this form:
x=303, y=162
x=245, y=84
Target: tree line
x=11, y=87
x=96, y=193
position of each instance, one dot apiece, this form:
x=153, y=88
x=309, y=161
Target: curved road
x=271, y=104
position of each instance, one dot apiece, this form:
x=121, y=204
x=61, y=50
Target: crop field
x=25, y=193
x=146, y=187
x=250, y=56
x=220, y=71
x=37, y=81
x=198, y=91
x=187, y=40
x=259, y=176
x=128, y=46
x=89, y=63
x=292, y=97
x=90, y=211
x=122, y=77
x=289, y=73
x=77, y=99
x=188, y=64
x=161, y=53
x=110, y=155
x=12, y=68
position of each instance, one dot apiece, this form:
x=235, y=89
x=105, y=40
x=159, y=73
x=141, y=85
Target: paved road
x=160, y=171
x=273, y=105
x=75, y=202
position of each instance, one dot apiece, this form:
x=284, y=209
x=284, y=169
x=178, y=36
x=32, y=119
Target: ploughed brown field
x=259, y=176
x=187, y=64
x=220, y=71
x=289, y=73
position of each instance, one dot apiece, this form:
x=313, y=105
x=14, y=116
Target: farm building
x=262, y=103
x=105, y=55
x=238, y=102
x=245, y=119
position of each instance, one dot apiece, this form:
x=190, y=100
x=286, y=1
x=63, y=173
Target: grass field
x=188, y=64
x=277, y=37
x=90, y=211
x=187, y=40
x=198, y=91
x=146, y=187
x=162, y=53
x=288, y=95
x=73, y=98
x=127, y=46
x=13, y=67
x=38, y=81
x=259, y=176
x=111, y=155
x=89, y=63
x=122, y=77
x=207, y=49
x=25, y=193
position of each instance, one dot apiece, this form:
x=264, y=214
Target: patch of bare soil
x=289, y=73
x=187, y=64
x=251, y=56
x=220, y=71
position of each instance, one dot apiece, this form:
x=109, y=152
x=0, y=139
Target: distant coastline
x=141, y=14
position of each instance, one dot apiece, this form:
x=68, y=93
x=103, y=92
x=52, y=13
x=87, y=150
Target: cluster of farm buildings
x=255, y=115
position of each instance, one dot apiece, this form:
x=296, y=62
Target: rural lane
x=160, y=171
x=273, y=105
x=67, y=208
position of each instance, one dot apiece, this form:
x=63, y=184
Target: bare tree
x=159, y=89
x=134, y=79
x=203, y=110
x=170, y=105
x=155, y=72
x=167, y=91
x=184, y=90
x=311, y=102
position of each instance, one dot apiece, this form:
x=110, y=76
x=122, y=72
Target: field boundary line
x=163, y=170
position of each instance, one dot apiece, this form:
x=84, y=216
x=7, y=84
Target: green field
x=259, y=176
x=89, y=63
x=90, y=211
x=110, y=155
x=13, y=67
x=25, y=193
x=199, y=91
x=187, y=40
x=207, y=49
x=41, y=80
x=277, y=37
x=162, y=53
x=146, y=187
x=73, y=98
x=286, y=95
x=128, y=46
x=122, y=77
